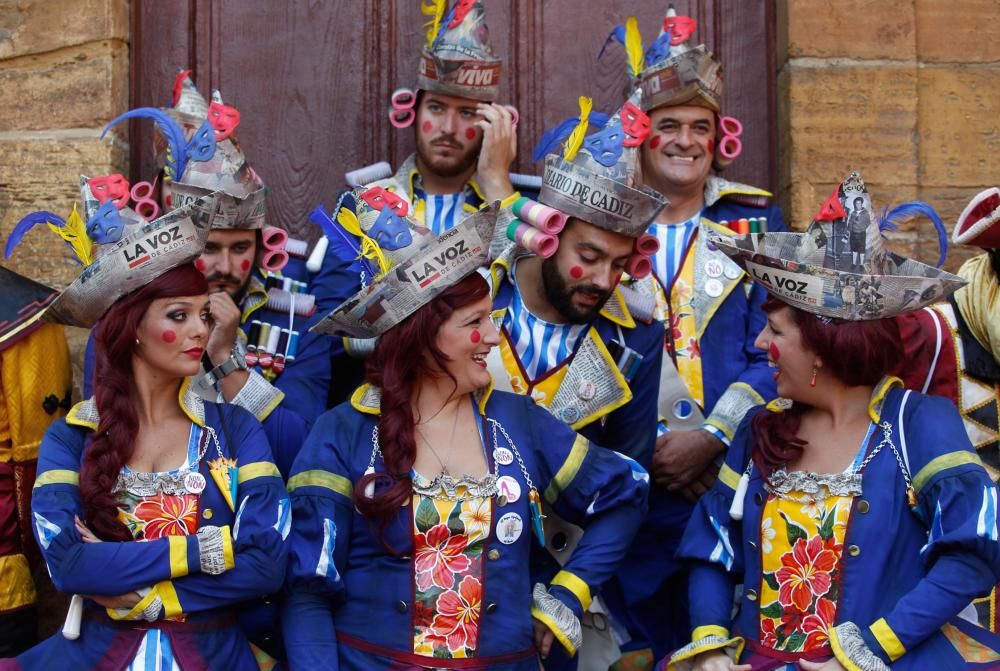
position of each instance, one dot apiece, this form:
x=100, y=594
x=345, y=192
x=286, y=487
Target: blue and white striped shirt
x=540, y=345
x=674, y=240
x=442, y=211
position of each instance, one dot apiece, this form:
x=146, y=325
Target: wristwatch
x=232, y=363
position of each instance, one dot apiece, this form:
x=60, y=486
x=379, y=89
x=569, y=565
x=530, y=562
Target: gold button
x=752, y=594
x=493, y=554
x=853, y=550
x=207, y=513
x=863, y=506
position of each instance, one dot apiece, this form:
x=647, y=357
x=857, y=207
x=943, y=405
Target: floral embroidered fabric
x=449, y=540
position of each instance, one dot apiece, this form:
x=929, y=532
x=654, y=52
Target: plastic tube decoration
x=401, y=112
x=638, y=265
x=275, y=257
x=544, y=218
x=532, y=239
x=730, y=145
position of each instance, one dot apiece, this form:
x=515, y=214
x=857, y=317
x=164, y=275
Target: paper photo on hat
x=137, y=259
x=458, y=59
x=595, y=178
x=429, y=269
x=839, y=267
x=671, y=72
x=977, y=224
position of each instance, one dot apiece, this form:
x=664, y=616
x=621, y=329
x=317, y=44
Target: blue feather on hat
x=889, y=219
x=26, y=224
x=177, y=149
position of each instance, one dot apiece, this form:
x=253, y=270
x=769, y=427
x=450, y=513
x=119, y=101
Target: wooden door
x=312, y=78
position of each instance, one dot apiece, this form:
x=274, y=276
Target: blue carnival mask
x=202, y=145
x=390, y=231
x=606, y=145
x=106, y=226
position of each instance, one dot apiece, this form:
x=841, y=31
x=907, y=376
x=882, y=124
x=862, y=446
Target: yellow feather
x=434, y=9
x=75, y=233
x=369, y=248
x=349, y=221
x=633, y=46
x=575, y=140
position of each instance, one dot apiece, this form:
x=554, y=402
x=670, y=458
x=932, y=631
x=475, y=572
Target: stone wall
x=907, y=92
x=64, y=75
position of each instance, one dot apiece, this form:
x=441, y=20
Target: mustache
x=592, y=290
x=224, y=278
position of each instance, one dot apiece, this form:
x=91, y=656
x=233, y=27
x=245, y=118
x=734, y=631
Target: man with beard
x=572, y=338
x=712, y=374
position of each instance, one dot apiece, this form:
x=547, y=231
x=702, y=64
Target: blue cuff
x=568, y=598
x=715, y=432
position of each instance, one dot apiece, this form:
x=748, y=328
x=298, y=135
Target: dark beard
x=461, y=165
x=560, y=295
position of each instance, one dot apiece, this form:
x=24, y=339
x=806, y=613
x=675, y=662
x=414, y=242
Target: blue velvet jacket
x=350, y=603
x=905, y=573
x=209, y=637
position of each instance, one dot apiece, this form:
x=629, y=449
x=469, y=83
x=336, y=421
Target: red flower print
x=815, y=625
x=439, y=557
x=804, y=572
x=675, y=327
x=458, y=615
x=694, y=348
x=768, y=636
x=168, y=516
x=422, y=613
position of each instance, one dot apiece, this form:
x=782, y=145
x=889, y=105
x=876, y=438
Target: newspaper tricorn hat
x=426, y=267
x=458, y=59
x=840, y=268
x=977, y=225
x=670, y=71
x=595, y=178
x=202, y=156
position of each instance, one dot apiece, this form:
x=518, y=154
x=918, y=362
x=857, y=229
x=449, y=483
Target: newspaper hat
x=202, y=156
x=595, y=178
x=840, y=268
x=431, y=265
x=671, y=72
x=977, y=225
x=458, y=59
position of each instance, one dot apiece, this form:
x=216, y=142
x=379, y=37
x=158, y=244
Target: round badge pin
x=732, y=271
x=194, y=482
x=509, y=488
x=714, y=288
x=713, y=268
x=569, y=414
x=509, y=528
x=587, y=390
x=503, y=456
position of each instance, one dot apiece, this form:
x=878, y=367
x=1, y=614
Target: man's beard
x=236, y=289
x=448, y=167
x=560, y=294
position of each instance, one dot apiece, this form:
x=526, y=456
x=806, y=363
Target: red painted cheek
x=427, y=126
x=654, y=142
x=711, y=147
x=576, y=272
x=470, y=133
x=200, y=265
x=168, y=336
x=245, y=265
x=475, y=336
x=775, y=354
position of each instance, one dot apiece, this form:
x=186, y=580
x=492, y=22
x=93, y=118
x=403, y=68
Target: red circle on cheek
x=654, y=142
x=576, y=272
x=427, y=126
x=475, y=336
x=245, y=264
x=775, y=353
x=470, y=133
x=711, y=146
x=200, y=265
x=168, y=336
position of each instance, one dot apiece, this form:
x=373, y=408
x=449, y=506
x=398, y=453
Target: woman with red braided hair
x=415, y=504
x=855, y=513
x=158, y=510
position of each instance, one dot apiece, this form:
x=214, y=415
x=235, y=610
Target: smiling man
x=712, y=374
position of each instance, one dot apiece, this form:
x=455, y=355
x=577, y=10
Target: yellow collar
x=368, y=399
x=85, y=413
x=875, y=403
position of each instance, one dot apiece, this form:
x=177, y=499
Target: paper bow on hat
x=458, y=59
x=595, y=177
x=839, y=267
x=425, y=268
x=977, y=225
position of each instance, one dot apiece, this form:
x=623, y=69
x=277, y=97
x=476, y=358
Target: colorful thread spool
x=542, y=217
x=273, y=336
x=262, y=339
x=742, y=226
x=252, y=337
x=279, y=356
x=532, y=239
x=647, y=245
x=638, y=266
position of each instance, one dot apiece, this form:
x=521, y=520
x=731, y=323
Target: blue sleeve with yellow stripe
x=108, y=568
x=957, y=501
x=262, y=523
x=321, y=492
x=596, y=488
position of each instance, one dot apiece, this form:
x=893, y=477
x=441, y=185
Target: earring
x=812, y=382
x=137, y=342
